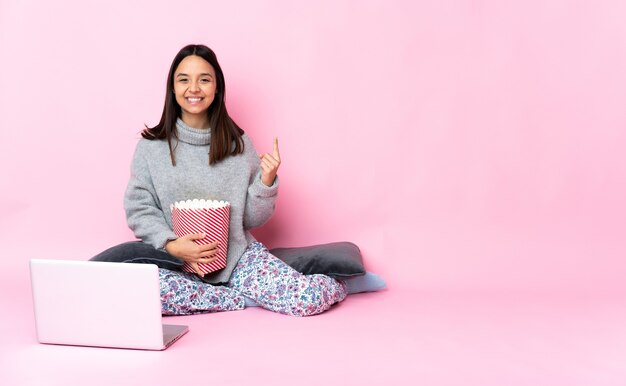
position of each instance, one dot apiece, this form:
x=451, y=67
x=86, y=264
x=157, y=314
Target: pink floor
x=399, y=336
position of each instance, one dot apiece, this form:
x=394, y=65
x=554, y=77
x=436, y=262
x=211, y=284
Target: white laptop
x=89, y=303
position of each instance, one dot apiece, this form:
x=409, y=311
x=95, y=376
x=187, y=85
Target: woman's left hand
x=269, y=165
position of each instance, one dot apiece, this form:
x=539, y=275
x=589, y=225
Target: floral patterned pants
x=260, y=276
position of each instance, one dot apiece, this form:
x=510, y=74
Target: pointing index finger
x=276, y=152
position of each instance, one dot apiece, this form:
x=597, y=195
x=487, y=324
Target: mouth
x=194, y=100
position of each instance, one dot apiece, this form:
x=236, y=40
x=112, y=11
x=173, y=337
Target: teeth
x=194, y=100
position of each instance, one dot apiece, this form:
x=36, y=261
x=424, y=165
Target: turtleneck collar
x=192, y=136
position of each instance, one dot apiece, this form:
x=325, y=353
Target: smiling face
x=194, y=87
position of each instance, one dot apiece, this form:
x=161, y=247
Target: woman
x=197, y=151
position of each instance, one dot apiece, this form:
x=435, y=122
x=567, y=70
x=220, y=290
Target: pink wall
x=462, y=144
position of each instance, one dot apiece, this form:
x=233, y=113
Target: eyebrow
x=203, y=74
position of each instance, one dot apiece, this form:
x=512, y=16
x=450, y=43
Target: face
x=194, y=86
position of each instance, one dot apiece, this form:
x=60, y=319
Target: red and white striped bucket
x=210, y=217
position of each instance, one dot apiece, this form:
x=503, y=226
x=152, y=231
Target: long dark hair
x=224, y=131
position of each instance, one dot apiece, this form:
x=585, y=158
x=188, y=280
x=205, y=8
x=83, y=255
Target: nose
x=193, y=87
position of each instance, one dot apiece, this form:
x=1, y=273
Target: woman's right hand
x=185, y=249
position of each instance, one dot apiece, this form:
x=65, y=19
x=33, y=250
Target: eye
x=182, y=80
x=205, y=80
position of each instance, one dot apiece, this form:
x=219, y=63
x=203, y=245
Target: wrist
x=168, y=246
x=268, y=180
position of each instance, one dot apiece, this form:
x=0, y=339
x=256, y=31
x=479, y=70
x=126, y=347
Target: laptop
x=100, y=304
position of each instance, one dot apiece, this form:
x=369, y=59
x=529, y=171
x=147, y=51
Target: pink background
x=469, y=147
x=461, y=144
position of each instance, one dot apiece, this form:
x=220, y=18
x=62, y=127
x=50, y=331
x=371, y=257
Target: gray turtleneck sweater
x=155, y=184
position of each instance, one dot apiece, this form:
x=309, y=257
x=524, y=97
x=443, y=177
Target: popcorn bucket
x=210, y=217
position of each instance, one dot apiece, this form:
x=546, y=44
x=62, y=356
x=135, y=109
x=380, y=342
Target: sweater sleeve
x=143, y=209
x=261, y=199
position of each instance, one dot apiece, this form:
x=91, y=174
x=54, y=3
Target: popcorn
x=211, y=217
